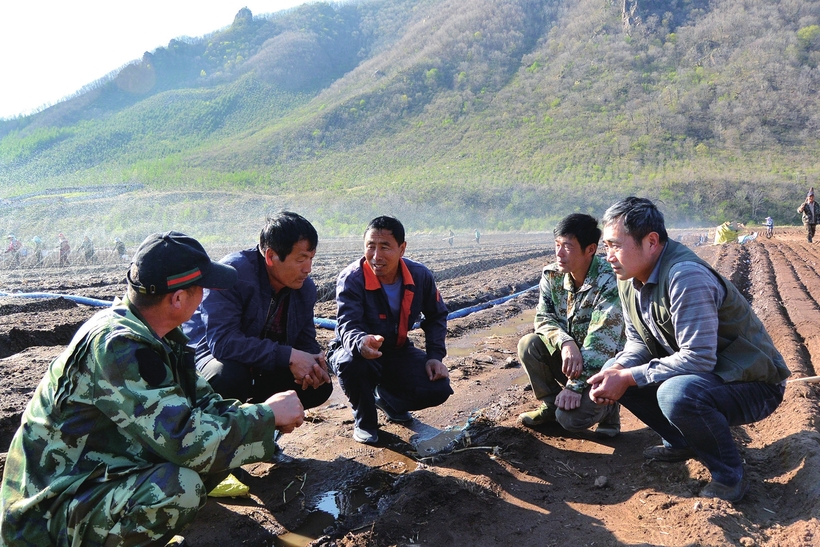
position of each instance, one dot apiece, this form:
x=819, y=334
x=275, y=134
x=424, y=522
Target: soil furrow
x=768, y=306
x=802, y=310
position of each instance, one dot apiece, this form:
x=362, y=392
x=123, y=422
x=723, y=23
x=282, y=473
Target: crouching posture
x=578, y=327
x=123, y=440
x=379, y=298
x=697, y=359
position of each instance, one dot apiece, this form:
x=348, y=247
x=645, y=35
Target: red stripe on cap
x=184, y=277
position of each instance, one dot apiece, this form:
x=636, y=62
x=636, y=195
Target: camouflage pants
x=146, y=508
x=810, y=228
x=548, y=380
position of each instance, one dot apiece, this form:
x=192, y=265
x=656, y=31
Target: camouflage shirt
x=117, y=401
x=591, y=316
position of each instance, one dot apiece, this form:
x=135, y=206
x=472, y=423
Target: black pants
x=234, y=380
x=401, y=377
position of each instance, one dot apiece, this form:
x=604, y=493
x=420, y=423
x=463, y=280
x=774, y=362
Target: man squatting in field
x=379, y=298
x=258, y=337
x=578, y=327
x=697, y=359
x=123, y=439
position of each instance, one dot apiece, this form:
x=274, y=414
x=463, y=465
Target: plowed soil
x=500, y=483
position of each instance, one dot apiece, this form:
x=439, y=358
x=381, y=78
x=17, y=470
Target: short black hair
x=392, y=224
x=284, y=230
x=582, y=227
x=640, y=217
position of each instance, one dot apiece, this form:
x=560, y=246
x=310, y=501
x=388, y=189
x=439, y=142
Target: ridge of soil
x=502, y=483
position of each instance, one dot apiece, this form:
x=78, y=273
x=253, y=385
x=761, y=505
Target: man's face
x=383, y=253
x=810, y=199
x=627, y=257
x=292, y=271
x=571, y=257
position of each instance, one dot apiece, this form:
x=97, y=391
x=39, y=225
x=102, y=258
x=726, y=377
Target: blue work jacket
x=363, y=309
x=229, y=323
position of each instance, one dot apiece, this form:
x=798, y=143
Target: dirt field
x=503, y=484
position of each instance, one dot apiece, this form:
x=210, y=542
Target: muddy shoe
x=392, y=414
x=719, y=490
x=665, y=454
x=364, y=436
x=610, y=426
x=544, y=415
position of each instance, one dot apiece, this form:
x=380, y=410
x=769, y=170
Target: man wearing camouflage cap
x=122, y=439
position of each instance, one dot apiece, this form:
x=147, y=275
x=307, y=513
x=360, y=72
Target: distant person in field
x=379, y=298
x=477, y=237
x=123, y=440
x=578, y=327
x=810, y=210
x=119, y=249
x=697, y=360
x=38, y=250
x=64, y=250
x=86, y=248
x=450, y=238
x=258, y=337
x=15, y=245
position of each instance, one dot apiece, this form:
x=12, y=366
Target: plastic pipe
x=79, y=299
x=318, y=321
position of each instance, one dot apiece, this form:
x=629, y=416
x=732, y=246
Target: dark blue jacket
x=229, y=323
x=363, y=309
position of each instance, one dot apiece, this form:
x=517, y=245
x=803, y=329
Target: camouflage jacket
x=119, y=400
x=807, y=209
x=591, y=316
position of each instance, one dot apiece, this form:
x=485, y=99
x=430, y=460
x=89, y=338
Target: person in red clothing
x=14, y=248
x=65, y=250
x=379, y=298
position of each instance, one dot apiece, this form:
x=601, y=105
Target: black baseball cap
x=167, y=262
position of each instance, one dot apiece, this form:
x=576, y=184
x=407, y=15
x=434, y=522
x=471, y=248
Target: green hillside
x=496, y=114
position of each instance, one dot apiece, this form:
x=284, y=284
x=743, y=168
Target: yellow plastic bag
x=725, y=233
x=230, y=488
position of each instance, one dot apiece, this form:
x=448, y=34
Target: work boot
x=543, y=415
x=610, y=425
x=177, y=541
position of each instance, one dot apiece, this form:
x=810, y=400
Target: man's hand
x=568, y=399
x=288, y=410
x=436, y=370
x=370, y=346
x=572, y=364
x=308, y=369
x=609, y=385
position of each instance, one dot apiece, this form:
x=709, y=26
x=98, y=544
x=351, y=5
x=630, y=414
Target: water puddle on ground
x=480, y=339
x=328, y=507
x=428, y=441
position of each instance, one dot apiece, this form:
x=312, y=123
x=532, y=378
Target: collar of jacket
x=372, y=283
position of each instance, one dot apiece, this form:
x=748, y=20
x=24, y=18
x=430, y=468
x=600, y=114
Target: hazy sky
x=51, y=48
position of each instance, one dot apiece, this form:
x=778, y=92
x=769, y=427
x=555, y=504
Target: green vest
x=745, y=351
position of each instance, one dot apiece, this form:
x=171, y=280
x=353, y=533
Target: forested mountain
x=500, y=114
